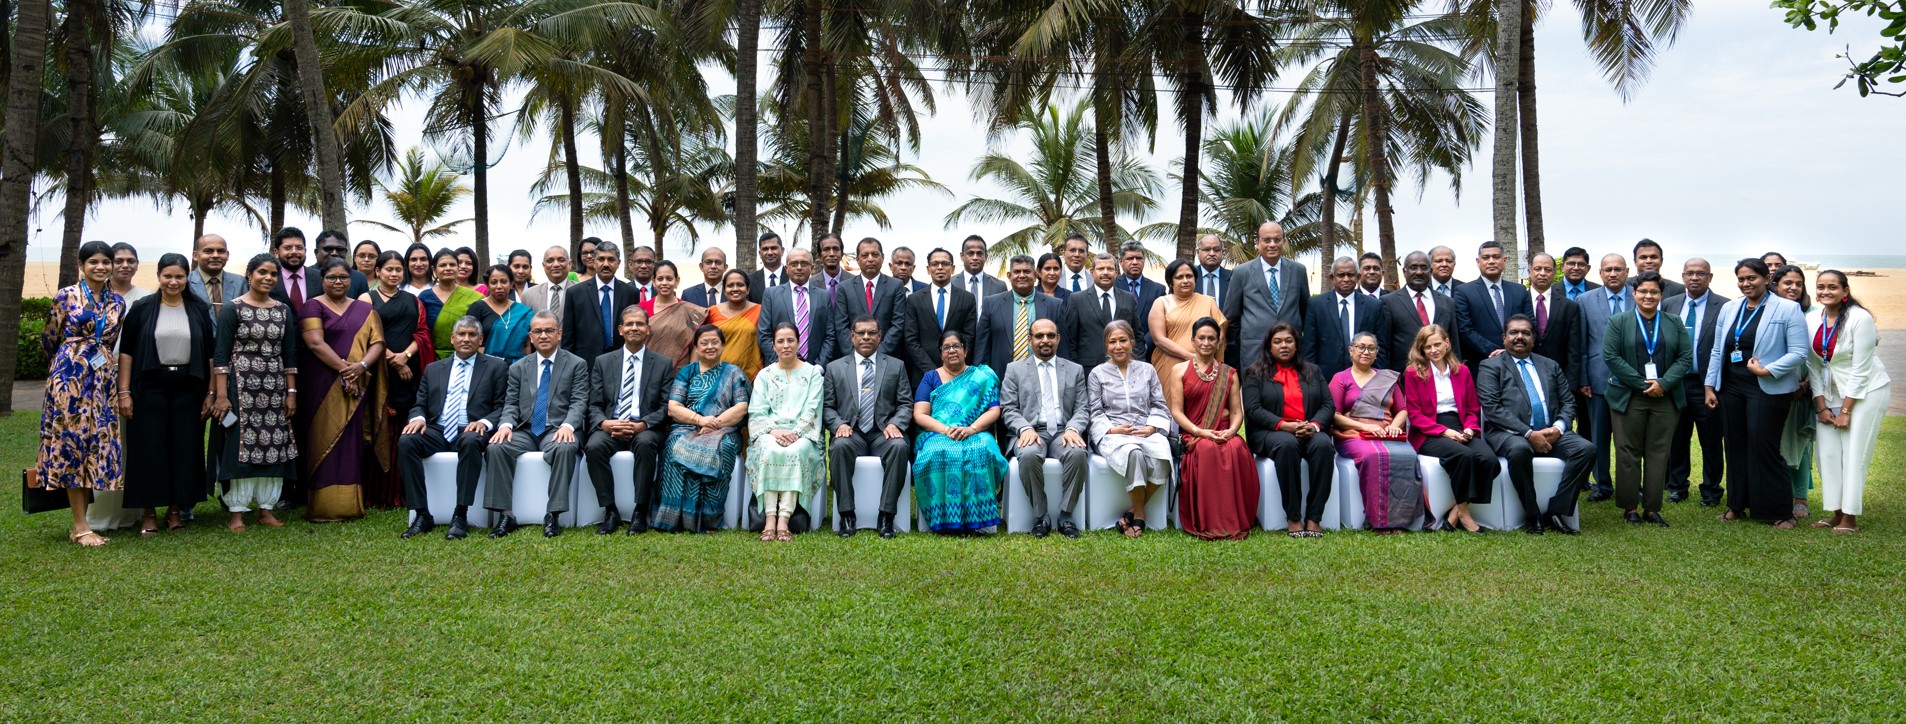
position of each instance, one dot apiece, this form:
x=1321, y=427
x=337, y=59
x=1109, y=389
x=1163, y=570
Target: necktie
x=1614, y=305
x=1693, y=312
x=1272, y=281
x=868, y=285
x=1022, y=328
x=215, y=288
x=608, y=317
x=800, y=316
x=1343, y=318
x=1571, y=291
x=1048, y=396
x=1542, y=314
x=972, y=284
x=1443, y=289
x=832, y=282
x=456, y=404
x=297, y=289
x=1075, y=281
x=1495, y=290
x=866, y=395
x=939, y=308
x=625, y=402
x=1422, y=312
x=1538, y=412
x=539, y=417
x=1211, y=284
x=1105, y=305
x=774, y=279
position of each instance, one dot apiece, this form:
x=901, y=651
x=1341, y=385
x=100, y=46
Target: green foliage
x=1885, y=65
x=33, y=313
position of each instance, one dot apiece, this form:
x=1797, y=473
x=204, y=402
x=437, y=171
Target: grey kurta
x=1134, y=397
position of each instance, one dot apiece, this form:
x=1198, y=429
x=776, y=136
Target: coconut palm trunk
x=80, y=135
x=1531, y=167
x=1191, y=115
x=16, y=175
x=619, y=166
x=1379, y=163
x=566, y=112
x=1332, y=166
x=1503, y=171
x=814, y=65
x=317, y=109
x=747, y=151
x=480, y=179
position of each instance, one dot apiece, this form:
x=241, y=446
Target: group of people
x=793, y=371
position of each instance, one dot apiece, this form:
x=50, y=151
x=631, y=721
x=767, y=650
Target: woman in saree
x=1372, y=430
x=346, y=422
x=957, y=466
x=407, y=350
x=467, y=267
x=1126, y=402
x=446, y=301
x=738, y=319
x=505, y=323
x=1174, y=314
x=708, y=402
x=417, y=268
x=672, y=322
x=784, y=423
x=1218, y=489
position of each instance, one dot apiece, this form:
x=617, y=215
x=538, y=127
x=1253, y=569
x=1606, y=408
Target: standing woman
x=1126, y=402
x=1372, y=430
x=1648, y=353
x=255, y=373
x=672, y=322
x=344, y=337
x=108, y=510
x=364, y=258
x=1218, y=489
x=165, y=394
x=467, y=266
x=505, y=322
x=739, y=322
x=125, y=265
x=708, y=402
x=1446, y=423
x=1173, y=314
x=407, y=350
x=784, y=420
x=1288, y=403
x=446, y=301
x=1757, y=365
x=1850, y=395
x=1796, y=438
x=417, y=267
x=1049, y=270
x=79, y=427
x=957, y=466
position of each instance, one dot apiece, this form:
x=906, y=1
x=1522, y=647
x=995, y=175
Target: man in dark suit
x=1213, y=278
x=1042, y=404
x=1575, y=269
x=900, y=264
x=1131, y=256
x=546, y=406
x=869, y=406
x=1527, y=408
x=873, y=294
x=1076, y=276
x=296, y=282
x=1648, y=259
x=1082, y=328
x=1443, y=271
x=333, y=245
x=1370, y=266
x=802, y=296
x=1700, y=311
x=1001, y=327
x=1337, y=316
x=628, y=410
x=1558, y=321
x=772, y=273
x=1411, y=308
x=1253, y=304
x=714, y=264
x=459, y=402
x=591, y=307
x=1484, y=304
x=933, y=311
x=974, y=278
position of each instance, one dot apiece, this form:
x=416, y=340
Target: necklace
x=1201, y=373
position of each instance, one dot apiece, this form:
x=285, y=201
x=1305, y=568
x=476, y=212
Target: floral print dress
x=79, y=429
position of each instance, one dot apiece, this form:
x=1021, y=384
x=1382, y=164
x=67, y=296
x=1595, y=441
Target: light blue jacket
x=1780, y=343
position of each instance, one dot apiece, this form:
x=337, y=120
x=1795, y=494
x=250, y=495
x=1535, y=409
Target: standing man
x=901, y=264
x=1132, y=257
x=1598, y=307
x=641, y=272
x=802, y=301
x=832, y=248
x=1575, y=268
x=588, y=327
x=1213, y=278
x=1415, y=306
x=1371, y=267
x=871, y=293
x=333, y=245
x=1483, y=305
x=1699, y=309
x=1005, y=325
x=628, y=410
x=771, y=274
x=931, y=312
x=548, y=399
x=295, y=283
x=869, y=407
x=209, y=280
x=1558, y=321
x=1267, y=290
x=1648, y=259
x=459, y=401
x=549, y=297
x=1337, y=317
x=1077, y=275
x=1082, y=331
x=1443, y=273
x=1042, y=402
x=1527, y=409
x=975, y=280
x=714, y=264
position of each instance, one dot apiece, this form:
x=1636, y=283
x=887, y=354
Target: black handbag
x=34, y=499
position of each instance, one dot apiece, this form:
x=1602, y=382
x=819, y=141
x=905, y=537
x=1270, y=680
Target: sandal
x=767, y=535
x=1784, y=524
x=1137, y=529
x=81, y=538
x=174, y=522
x=1728, y=517
x=1125, y=523
x=1843, y=530
x=1823, y=523
x=784, y=536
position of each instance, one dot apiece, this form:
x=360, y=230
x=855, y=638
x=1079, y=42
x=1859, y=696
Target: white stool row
x=530, y=499
x=1101, y=502
x=1504, y=510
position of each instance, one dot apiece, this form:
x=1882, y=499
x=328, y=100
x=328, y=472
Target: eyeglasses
x=1366, y=348
x=541, y=332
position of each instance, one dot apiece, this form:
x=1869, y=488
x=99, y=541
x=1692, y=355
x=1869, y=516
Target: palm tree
x=421, y=198
x=1248, y=179
x=747, y=145
x=28, y=53
x=317, y=109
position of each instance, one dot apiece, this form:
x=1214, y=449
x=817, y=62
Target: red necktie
x=1422, y=312
x=1541, y=314
x=640, y=293
x=297, y=294
x=869, y=286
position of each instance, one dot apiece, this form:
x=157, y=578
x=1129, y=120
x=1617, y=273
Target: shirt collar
x=541, y=359
x=626, y=354
x=1700, y=299
x=858, y=359
x=1348, y=297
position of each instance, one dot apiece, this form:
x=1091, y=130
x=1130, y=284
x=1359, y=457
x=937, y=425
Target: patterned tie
x=1022, y=328
x=608, y=318
x=800, y=316
x=1422, y=312
x=539, y=417
x=215, y=288
x=1538, y=412
x=625, y=402
x=939, y=308
x=1211, y=284
x=774, y=279
x=1272, y=280
x=1495, y=290
x=456, y=404
x=1542, y=314
x=866, y=395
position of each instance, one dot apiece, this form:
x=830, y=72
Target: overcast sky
x=1736, y=145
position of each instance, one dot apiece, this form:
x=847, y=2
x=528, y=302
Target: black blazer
x=893, y=393
x=699, y=295
x=758, y=283
x=137, y=330
x=1082, y=328
x=1324, y=342
x=850, y=301
x=1505, y=402
x=1476, y=315
x=582, y=317
x=314, y=286
x=1148, y=293
x=489, y=382
x=1564, y=341
x=995, y=344
x=1708, y=324
x=605, y=387
x=1401, y=325
x=1264, y=403
x=922, y=328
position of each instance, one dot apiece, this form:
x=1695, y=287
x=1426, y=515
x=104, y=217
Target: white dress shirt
x=1445, y=390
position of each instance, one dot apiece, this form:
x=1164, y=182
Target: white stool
x=440, y=491
x=1437, y=490
x=584, y=505
x=529, y=499
x=867, y=482
x=1348, y=496
x=1105, y=499
x=1017, y=507
x=1271, y=515
x=1504, y=509
x=739, y=498
x=1548, y=478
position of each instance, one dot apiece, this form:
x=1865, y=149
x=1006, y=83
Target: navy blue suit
x=1325, y=343
x=1146, y=292
x=1476, y=316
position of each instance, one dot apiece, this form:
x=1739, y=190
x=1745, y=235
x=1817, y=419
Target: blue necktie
x=939, y=308
x=539, y=417
x=1273, y=282
x=456, y=412
x=1538, y=412
x=608, y=319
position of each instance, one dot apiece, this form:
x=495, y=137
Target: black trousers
x=1577, y=454
x=412, y=450
x=1472, y=467
x=1757, y=479
x=1286, y=453
x=647, y=446
x=1697, y=419
x=165, y=451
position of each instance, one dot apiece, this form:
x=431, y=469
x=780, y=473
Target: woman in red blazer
x=1446, y=423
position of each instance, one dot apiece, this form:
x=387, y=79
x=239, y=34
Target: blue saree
x=696, y=467
x=958, y=481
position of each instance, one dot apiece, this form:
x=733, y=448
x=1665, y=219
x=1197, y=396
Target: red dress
x=1218, y=488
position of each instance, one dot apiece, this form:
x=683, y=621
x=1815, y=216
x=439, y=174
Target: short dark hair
x=1487, y=245
x=1206, y=322
x=869, y=240
x=1648, y=278
x=1575, y=251
x=864, y=319
x=503, y=269
x=251, y=267
x=522, y=253
x=120, y=246
x=1078, y=236
x=1371, y=255
x=939, y=250
x=1518, y=317
x=1025, y=259
x=324, y=267
x=765, y=236
x=288, y=232
x=1646, y=244
x=331, y=234
x=970, y=239
x=172, y=259
x=1756, y=266
x=836, y=237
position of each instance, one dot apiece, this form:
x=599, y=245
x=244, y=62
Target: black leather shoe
x=610, y=520
x=1534, y=527
x=638, y=524
x=420, y=525
x=884, y=525
x=1598, y=495
x=1068, y=529
x=847, y=526
x=459, y=528
x=1632, y=517
x=1707, y=502
x=1677, y=496
x=551, y=528
x=1041, y=529
x=503, y=526
x=1558, y=524
x=1656, y=519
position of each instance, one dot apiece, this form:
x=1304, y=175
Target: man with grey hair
x=1213, y=278
x=802, y=301
x=1339, y=316
x=1131, y=257
x=1443, y=272
x=1265, y=291
x=592, y=307
x=459, y=401
x=545, y=407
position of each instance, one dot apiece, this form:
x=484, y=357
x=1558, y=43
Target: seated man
x=1527, y=408
x=628, y=410
x=458, y=402
x=869, y=406
x=1042, y=402
x=548, y=397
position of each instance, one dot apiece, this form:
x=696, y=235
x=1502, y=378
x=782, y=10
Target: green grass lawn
x=346, y=622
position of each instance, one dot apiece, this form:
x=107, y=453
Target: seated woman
x=1370, y=429
x=957, y=467
x=1446, y=424
x=708, y=402
x=1127, y=406
x=784, y=423
x=1288, y=402
x=505, y=323
x=1219, y=485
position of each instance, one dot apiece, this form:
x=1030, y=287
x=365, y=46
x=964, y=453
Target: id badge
x=1648, y=370
x=97, y=361
x=1737, y=357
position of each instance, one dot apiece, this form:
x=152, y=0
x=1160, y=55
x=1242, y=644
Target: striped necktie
x=866, y=395
x=625, y=402
x=456, y=404
x=800, y=315
x=1022, y=328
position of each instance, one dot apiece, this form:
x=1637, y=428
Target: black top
x=139, y=333
x=399, y=313
x=1738, y=376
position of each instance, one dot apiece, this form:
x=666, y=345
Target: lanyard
x=99, y=315
x=1829, y=334
x=1742, y=320
x=1647, y=338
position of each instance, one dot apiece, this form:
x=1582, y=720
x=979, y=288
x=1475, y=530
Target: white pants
x=779, y=503
x=245, y=493
x=1845, y=454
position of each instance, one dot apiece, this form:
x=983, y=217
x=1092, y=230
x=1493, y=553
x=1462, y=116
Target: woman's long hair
x=1419, y=360
x=1773, y=285
x=1266, y=365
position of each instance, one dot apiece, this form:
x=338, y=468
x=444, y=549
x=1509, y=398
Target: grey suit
x=994, y=347
x=1595, y=317
x=893, y=405
x=651, y=409
x=1021, y=405
x=1508, y=412
x=1695, y=415
x=1082, y=333
x=548, y=298
x=233, y=286
x=1247, y=302
x=778, y=306
x=568, y=406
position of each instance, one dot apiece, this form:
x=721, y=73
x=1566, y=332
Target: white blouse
x=1445, y=390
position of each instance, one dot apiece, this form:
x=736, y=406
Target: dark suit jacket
x=488, y=387
x=850, y=301
x=995, y=346
x=1324, y=342
x=1476, y=315
x=757, y=283
x=1082, y=331
x=1709, y=322
x=893, y=398
x=1674, y=357
x=1505, y=403
x=1264, y=403
x=778, y=306
x=1563, y=341
x=605, y=388
x=582, y=317
x=922, y=328
x=914, y=285
x=568, y=394
x=1587, y=286
x=1148, y=292
x=700, y=295
x=1401, y=325
x=313, y=286
x=1669, y=287
x=988, y=284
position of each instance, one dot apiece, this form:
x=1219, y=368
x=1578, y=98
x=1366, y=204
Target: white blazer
x=1856, y=369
